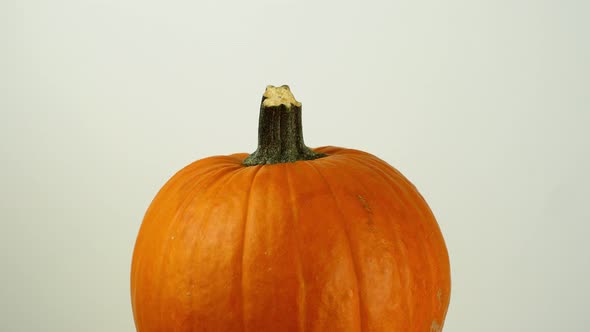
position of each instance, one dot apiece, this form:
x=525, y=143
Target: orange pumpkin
x=289, y=239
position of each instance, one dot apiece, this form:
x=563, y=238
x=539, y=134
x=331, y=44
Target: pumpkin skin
x=340, y=243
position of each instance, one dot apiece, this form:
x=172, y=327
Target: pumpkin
x=289, y=239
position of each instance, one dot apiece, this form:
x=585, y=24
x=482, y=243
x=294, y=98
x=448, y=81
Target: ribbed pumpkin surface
x=340, y=243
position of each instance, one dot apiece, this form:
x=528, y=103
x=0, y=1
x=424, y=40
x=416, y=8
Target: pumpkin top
x=277, y=96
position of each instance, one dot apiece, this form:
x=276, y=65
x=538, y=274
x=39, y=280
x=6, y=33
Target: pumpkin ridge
x=349, y=242
x=152, y=213
x=420, y=205
x=137, y=261
x=414, y=200
x=213, y=184
x=207, y=215
x=246, y=213
x=204, y=177
x=404, y=281
x=391, y=186
x=296, y=233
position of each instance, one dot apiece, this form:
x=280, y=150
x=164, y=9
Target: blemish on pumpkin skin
x=367, y=208
x=365, y=204
x=435, y=327
x=350, y=293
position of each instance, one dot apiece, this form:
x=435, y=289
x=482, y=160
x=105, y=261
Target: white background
x=484, y=105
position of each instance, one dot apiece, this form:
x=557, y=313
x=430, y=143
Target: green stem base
x=280, y=130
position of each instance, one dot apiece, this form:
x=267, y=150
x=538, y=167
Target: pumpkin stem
x=280, y=133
